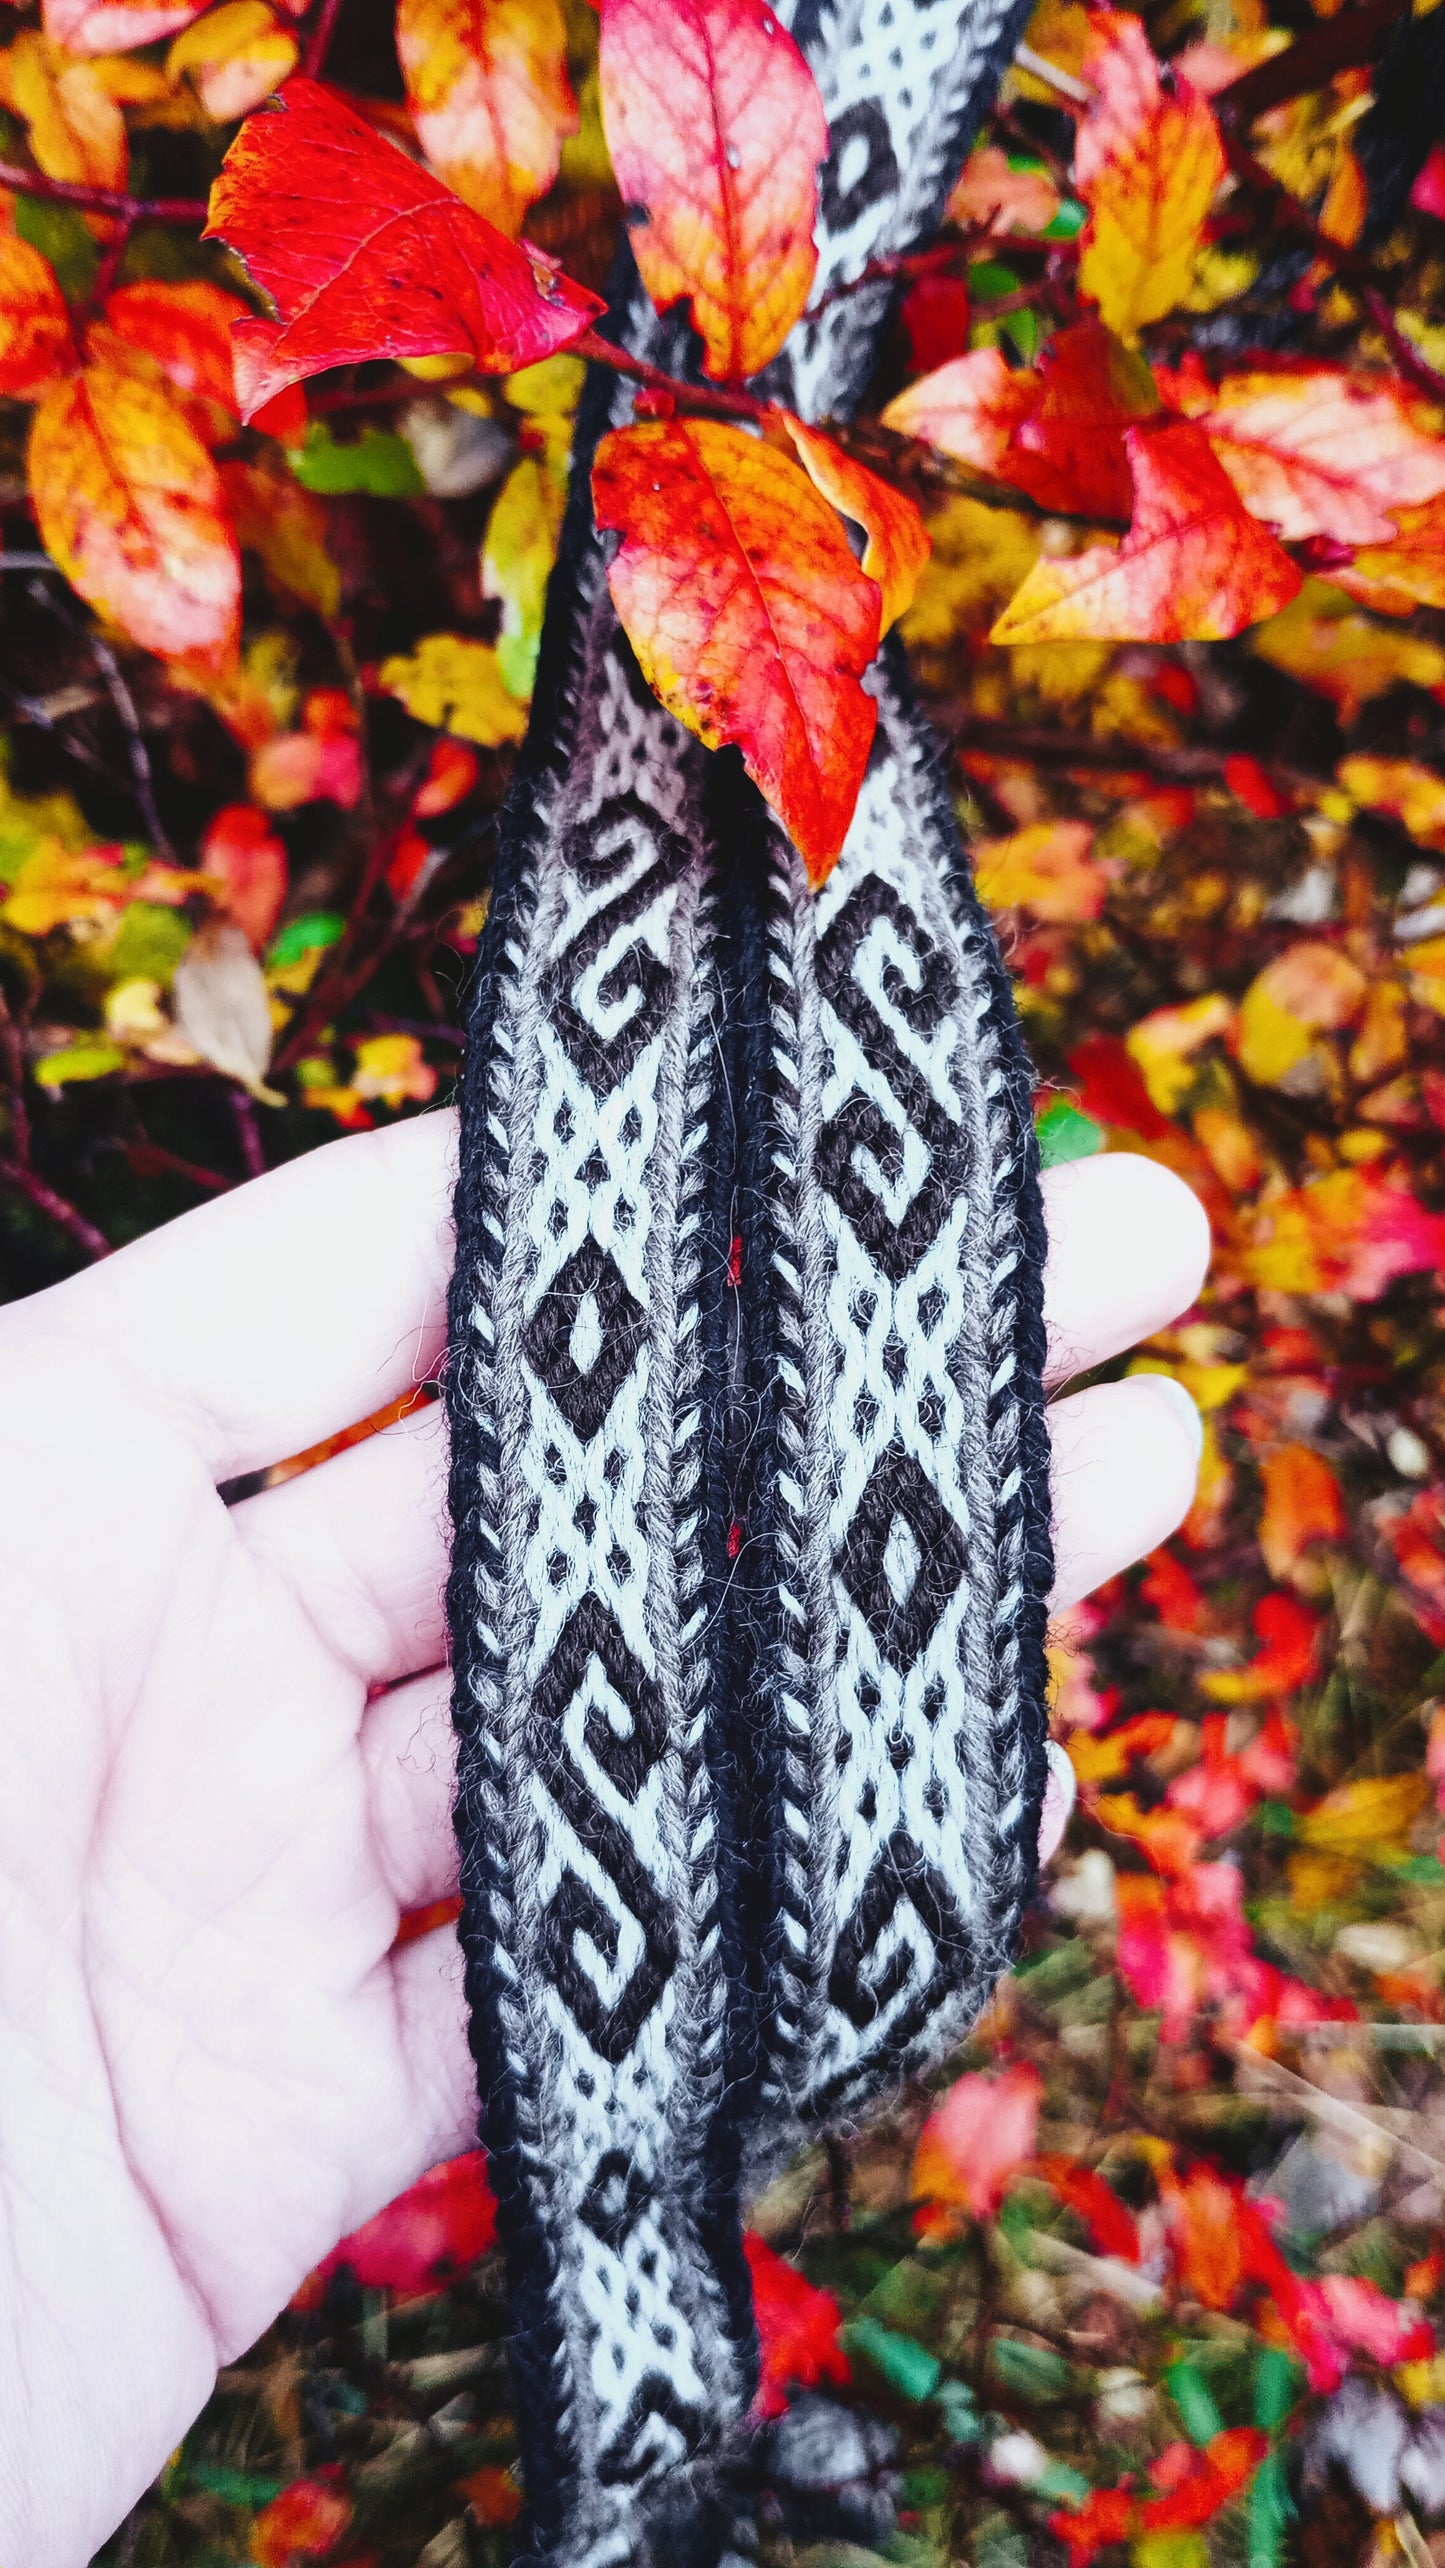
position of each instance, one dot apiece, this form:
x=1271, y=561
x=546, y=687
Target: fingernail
x=1179, y=1399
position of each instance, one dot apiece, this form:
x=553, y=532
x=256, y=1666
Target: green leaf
x=1068, y=223
x=1270, y=2508
x=906, y=2366
x=1169, y=2550
x=60, y=233
x=302, y=936
x=1031, y=2372
x=89, y=1058
x=148, y=943
x=377, y=462
x=1065, y=1132
x=233, y=2487
x=1278, y=2381
x=1194, y=2399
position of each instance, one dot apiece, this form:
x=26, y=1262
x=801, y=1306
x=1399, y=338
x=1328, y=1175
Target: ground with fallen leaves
x=1155, y=2272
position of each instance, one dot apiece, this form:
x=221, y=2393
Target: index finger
x=280, y=1314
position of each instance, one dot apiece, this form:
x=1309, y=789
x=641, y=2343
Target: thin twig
x=140, y=761
x=103, y=200
x=318, y=43
x=58, y=1208
x=1195, y=765
x=248, y=1133
x=1076, y=91
x=1341, y=43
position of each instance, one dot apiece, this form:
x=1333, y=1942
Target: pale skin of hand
x=225, y=1765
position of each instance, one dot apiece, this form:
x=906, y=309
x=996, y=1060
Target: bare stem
x=58, y=1208
x=318, y=43
x=103, y=200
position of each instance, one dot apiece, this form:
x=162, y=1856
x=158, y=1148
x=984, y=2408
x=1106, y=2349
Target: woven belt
x=749, y=1470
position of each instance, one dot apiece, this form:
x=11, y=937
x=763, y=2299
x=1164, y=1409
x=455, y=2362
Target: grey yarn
x=749, y=1480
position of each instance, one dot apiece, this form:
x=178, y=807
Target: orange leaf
x=492, y=2493
x=898, y=544
x=750, y=617
x=716, y=130
x=304, y=2522
x=130, y=505
x=797, y=2329
x=1115, y=2231
x=1147, y=163
x=366, y=255
x=35, y=339
x=974, y=2143
x=1194, y=566
x=968, y=408
x=114, y=26
x=486, y=82
x=1313, y=449
x=249, y=862
x=236, y=56
x=1004, y=199
x=1302, y=1505
x=186, y=331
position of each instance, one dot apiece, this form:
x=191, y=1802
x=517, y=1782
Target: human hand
x=225, y=1765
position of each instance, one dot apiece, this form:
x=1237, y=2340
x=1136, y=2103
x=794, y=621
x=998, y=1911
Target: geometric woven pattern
x=748, y=1480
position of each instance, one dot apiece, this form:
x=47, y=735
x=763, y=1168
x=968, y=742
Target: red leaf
x=243, y=851
x=797, y=2329
x=750, y=617
x=1289, y=1633
x=1194, y=566
x=935, y=316
x=439, y=2227
x=1428, y=193
x=1114, y=2230
x=898, y=545
x=364, y=254
x=1068, y=452
x=1107, y=2516
x=1112, y=1089
x=716, y=130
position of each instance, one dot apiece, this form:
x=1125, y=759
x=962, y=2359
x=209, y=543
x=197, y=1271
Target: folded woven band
x=749, y=1475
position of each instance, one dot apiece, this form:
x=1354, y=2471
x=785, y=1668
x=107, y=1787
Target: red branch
x=103, y=200
x=62, y=1212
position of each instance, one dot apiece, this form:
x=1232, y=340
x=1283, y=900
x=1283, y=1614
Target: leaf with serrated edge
x=716, y=131
x=486, y=82
x=1194, y=566
x=749, y=616
x=1314, y=450
x=364, y=254
x=130, y=505
x=1147, y=163
x=898, y=545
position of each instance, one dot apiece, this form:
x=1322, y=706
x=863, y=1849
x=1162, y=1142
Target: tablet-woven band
x=748, y=1472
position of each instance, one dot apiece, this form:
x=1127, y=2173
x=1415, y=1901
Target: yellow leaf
x=76, y=128
x=1374, y=1811
x=393, y=1068
x=1165, y=1043
x=57, y=888
x=517, y=557
x=486, y=82
x=1147, y=163
x=456, y=685
x=1320, y=638
x=1413, y=794
x=236, y=56
x=979, y=557
x=1044, y=868
x=1310, y=989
